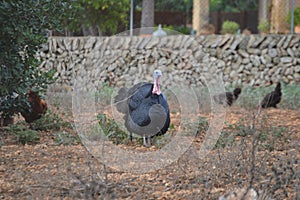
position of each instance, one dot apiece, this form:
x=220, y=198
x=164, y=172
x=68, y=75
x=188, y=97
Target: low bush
x=263, y=26
x=64, y=138
x=181, y=29
x=23, y=135
x=267, y=135
x=111, y=129
x=50, y=121
x=296, y=17
x=230, y=27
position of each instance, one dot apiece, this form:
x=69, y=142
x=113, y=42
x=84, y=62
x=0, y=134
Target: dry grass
x=261, y=152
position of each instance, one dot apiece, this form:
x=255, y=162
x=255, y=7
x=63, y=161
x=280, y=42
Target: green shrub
x=203, y=125
x=159, y=141
x=267, y=136
x=23, y=135
x=226, y=138
x=228, y=135
x=23, y=26
x=181, y=29
x=270, y=136
x=111, y=129
x=50, y=121
x=65, y=138
x=230, y=27
x=104, y=94
x=263, y=26
x=296, y=17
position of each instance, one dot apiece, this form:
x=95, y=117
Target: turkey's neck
x=156, y=86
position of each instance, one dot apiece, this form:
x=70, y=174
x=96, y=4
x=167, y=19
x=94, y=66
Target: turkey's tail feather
x=278, y=87
x=121, y=100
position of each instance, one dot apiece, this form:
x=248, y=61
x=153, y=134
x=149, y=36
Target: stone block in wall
x=273, y=53
x=286, y=60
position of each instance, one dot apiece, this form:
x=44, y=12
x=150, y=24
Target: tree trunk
x=147, y=17
x=90, y=31
x=200, y=16
x=263, y=12
x=279, y=13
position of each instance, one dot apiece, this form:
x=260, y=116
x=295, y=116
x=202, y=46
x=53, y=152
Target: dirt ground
x=50, y=171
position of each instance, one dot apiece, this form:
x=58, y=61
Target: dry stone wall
x=241, y=59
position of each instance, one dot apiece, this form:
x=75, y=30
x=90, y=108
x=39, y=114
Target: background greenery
x=24, y=26
x=105, y=15
x=233, y=6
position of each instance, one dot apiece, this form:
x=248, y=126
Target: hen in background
x=38, y=107
x=272, y=98
x=227, y=98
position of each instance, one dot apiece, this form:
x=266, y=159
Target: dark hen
x=146, y=109
x=272, y=98
x=38, y=107
x=228, y=98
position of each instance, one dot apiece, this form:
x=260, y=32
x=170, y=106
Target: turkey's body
x=146, y=113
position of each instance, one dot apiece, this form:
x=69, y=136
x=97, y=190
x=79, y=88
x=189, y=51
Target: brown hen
x=38, y=108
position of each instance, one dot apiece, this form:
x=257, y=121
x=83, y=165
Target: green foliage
x=23, y=135
x=230, y=27
x=203, y=124
x=181, y=29
x=228, y=135
x=104, y=94
x=174, y=5
x=233, y=6
x=105, y=14
x=172, y=126
x=111, y=129
x=226, y=139
x=65, y=138
x=216, y=5
x=170, y=5
x=50, y=121
x=268, y=136
x=291, y=94
x=160, y=141
x=296, y=17
x=263, y=26
x=23, y=25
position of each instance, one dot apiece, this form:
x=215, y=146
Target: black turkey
x=227, y=98
x=272, y=98
x=146, y=109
